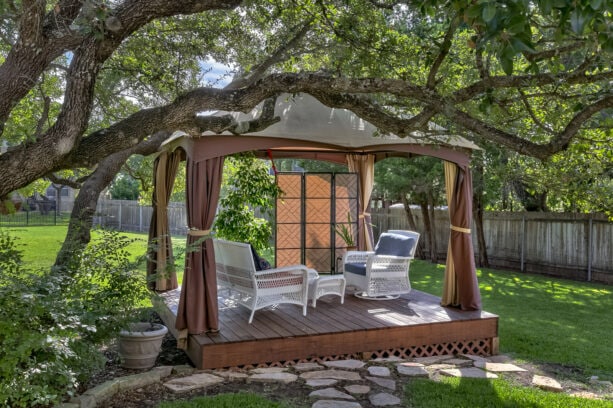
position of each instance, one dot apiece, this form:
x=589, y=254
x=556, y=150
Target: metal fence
x=32, y=212
x=575, y=246
x=127, y=215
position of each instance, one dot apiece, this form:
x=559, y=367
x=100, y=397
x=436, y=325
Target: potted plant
x=140, y=343
x=345, y=231
x=118, y=299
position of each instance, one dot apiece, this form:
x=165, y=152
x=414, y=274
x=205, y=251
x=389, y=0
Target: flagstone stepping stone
x=333, y=374
x=284, y=378
x=547, y=383
x=384, y=400
x=498, y=367
x=468, y=372
x=357, y=389
x=324, y=382
x=392, y=359
x=330, y=393
x=231, y=375
x=379, y=371
x=473, y=357
x=336, y=404
x=438, y=367
x=383, y=382
x=412, y=370
x=346, y=364
x=410, y=364
x=459, y=362
x=268, y=370
x=307, y=367
x=433, y=359
x=500, y=358
x=192, y=382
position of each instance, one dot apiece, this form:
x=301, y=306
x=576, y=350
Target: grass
x=480, y=393
x=41, y=244
x=542, y=319
x=243, y=400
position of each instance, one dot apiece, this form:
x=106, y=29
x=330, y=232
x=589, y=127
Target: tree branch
x=55, y=179
x=259, y=70
x=443, y=52
x=334, y=92
x=24, y=64
x=530, y=111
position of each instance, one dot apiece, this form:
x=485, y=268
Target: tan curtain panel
x=161, y=273
x=450, y=289
x=198, y=311
x=364, y=165
x=460, y=287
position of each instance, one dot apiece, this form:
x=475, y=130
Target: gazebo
x=303, y=127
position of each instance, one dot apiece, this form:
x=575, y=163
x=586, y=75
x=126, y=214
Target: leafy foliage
x=248, y=186
x=52, y=324
x=124, y=187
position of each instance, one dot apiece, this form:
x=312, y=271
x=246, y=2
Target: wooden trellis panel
x=307, y=214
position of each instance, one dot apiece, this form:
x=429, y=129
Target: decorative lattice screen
x=307, y=214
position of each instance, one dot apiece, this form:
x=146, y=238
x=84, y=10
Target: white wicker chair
x=384, y=273
x=258, y=289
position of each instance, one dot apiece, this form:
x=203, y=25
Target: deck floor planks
x=282, y=332
x=338, y=321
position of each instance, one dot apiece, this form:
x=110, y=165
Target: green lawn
x=542, y=320
x=480, y=393
x=40, y=244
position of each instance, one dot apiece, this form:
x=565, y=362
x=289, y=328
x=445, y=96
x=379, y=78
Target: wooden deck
x=414, y=325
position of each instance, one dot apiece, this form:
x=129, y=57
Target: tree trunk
x=478, y=189
x=81, y=218
x=431, y=204
x=407, y=210
x=428, y=229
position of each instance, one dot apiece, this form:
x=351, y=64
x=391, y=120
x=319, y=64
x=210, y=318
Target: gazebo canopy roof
x=307, y=127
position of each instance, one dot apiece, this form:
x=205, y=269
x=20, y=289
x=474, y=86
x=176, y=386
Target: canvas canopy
x=306, y=128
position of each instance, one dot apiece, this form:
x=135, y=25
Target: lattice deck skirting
x=482, y=347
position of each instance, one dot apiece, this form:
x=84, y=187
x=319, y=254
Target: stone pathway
x=342, y=384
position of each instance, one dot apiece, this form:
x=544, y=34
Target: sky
x=218, y=74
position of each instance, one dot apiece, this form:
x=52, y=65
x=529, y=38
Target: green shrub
x=52, y=324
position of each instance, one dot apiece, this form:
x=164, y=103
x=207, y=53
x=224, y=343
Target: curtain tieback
x=364, y=215
x=460, y=229
x=198, y=232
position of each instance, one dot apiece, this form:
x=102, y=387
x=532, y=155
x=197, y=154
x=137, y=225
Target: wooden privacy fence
x=575, y=246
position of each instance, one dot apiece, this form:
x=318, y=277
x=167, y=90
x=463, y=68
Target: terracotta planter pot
x=139, y=347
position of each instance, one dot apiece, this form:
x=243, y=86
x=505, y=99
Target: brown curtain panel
x=460, y=213
x=160, y=264
x=364, y=165
x=198, y=312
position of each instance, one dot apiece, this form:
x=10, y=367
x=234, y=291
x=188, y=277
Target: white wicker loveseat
x=258, y=289
x=384, y=273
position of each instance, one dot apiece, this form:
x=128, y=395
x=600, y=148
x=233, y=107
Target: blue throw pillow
x=394, y=244
x=260, y=263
